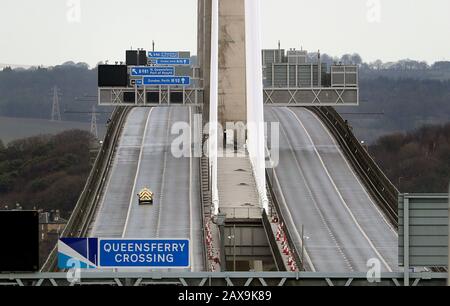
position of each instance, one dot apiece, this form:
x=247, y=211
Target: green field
x=16, y=128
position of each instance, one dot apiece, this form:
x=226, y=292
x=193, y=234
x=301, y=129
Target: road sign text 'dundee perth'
x=159, y=80
x=124, y=253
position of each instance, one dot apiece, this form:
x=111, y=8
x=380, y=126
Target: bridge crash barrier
x=85, y=208
x=212, y=246
x=210, y=232
x=376, y=182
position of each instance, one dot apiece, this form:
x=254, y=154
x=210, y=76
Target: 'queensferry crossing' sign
x=117, y=253
x=92, y=253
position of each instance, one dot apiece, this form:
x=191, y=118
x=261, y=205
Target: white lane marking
x=354, y=174
x=308, y=258
x=300, y=239
x=163, y=176
x=340, y=195
x=191, y=249
x=322, y=217
x=137, y=173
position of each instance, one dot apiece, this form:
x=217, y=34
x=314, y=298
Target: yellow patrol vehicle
x=145, y=196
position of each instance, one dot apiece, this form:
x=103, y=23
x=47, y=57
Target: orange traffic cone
x=290, y=260
x=286, y=249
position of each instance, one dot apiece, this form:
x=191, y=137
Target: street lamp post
x=303, y=249
x=234, y=246
x=399, y=182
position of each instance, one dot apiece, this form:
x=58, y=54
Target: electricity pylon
x=94, y=129
x=56, y=114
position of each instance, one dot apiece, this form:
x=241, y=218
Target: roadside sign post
x=406, y=241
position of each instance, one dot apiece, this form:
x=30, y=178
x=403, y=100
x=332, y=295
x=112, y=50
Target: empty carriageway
x=143, y=158
x=343, y=226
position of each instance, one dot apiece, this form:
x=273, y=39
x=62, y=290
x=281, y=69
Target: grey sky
x=39, y=32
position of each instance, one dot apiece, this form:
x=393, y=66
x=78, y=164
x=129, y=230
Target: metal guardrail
x=221, y=279
x=84, y=210
x=203, y=198
x=379, y=186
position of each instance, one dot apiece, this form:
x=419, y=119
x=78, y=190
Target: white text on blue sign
x=167, y=80
x=157, y=71
x=116, y=253
x=173, y=61
x=156, y=54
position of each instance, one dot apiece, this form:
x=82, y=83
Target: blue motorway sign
x=94, y=253
x=167, y=253
x=78, y=253
x=144, y=70
x=173, y=61
x=160, y=80
x=153, y=54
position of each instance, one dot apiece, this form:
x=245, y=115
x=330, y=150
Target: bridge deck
x=238, y=196
x=144, y=159
x=343, y=226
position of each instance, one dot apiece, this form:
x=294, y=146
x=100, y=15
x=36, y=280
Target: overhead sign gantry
x=293, y=78
x=149, y=78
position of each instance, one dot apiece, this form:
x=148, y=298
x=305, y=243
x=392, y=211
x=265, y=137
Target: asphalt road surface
x=343, y=226
x=144, y=158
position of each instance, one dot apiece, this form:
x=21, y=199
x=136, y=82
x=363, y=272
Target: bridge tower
x=230, y=61
x=232, y=58
x=232, y=104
